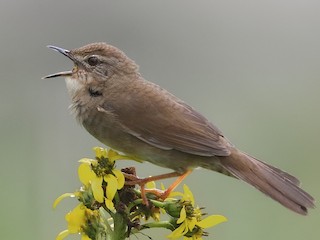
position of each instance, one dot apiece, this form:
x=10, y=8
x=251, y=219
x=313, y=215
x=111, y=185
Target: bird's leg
x=175, y=184
x=142, y=181
x=161, y=194
x=133, y=180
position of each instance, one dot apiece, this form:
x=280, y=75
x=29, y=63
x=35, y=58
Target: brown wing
x=166, y=122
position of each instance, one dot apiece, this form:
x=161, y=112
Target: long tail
x=275, y=183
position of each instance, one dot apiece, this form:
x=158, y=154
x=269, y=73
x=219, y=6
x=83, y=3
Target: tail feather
x=285, y=175
x=270, y=180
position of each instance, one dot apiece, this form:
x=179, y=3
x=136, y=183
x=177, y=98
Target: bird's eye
x=93, y=60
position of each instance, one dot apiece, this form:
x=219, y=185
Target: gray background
x=252, y=67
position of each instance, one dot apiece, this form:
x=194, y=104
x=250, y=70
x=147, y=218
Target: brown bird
x=121, y=109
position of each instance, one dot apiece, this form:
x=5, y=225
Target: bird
x=116, y=105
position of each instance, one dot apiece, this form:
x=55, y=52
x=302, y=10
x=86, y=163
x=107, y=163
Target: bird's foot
x=161, y=194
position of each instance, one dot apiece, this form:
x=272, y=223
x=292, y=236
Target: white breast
x=73, y=86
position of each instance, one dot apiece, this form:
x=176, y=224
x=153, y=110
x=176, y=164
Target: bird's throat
x=74, y=86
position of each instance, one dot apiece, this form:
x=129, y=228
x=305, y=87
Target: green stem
x=157, y=203
x=161, y=224
x=132, y=204
x=120, y=226
x=140, y=201
x=105, y=219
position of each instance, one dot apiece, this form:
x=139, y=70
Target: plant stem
x=161, y=224
x=120, y=226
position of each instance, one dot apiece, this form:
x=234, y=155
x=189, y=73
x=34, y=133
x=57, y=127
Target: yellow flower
x=109, y=154
x=89, y=179
x=190, y=223
x=93, y=173
x=76, y=220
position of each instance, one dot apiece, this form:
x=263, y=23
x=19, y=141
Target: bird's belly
x=114, y=136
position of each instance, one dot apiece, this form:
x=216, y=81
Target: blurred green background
x=252, y=67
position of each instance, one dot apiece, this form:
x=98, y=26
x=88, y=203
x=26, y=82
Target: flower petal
x=100, y=152
x=189, y=238
x=191, y=223
x=76, y=218
x=183, y=215
x=178, y=232
x=62, y=235
x=85, y=237
x=150, y=185
x=188, y=195
x=120, y=178
x=96, y=186
x=211, y=221
x=109, y=204
x=87, y=161
x=112, y=185
x=112, y=155
x=65, y=195
x=186, y=230
x=162, y=187
x=175, y=194
x=85, y=173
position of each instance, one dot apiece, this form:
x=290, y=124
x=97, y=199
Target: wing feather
x=167, y=122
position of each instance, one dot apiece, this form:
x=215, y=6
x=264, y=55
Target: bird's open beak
x=67, y=54
x=58, y=74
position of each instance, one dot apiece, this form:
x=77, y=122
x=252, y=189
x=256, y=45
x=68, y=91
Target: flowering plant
x=111, y=209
